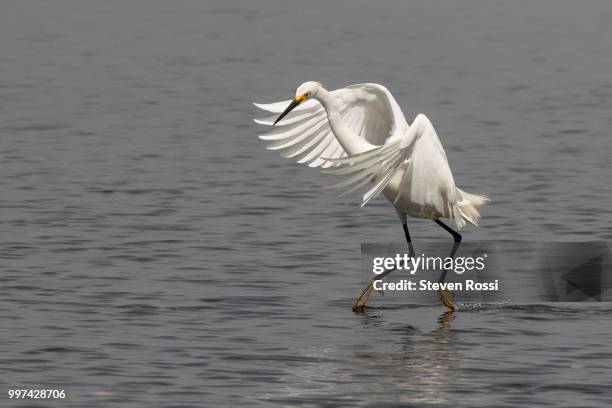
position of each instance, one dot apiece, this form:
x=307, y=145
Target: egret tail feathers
x=468, y=206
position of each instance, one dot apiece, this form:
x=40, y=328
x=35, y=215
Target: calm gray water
x=153, y=253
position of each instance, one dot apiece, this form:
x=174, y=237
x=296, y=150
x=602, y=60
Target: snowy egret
x=361, y=132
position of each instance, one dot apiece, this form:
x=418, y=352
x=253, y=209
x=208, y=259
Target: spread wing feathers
x=369, y=111
x=414, y=163
x=377, y=166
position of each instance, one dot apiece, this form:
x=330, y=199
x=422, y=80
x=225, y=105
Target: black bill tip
x=295, y=102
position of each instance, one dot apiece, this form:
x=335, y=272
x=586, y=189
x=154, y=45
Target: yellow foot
x=365, y=295
x=446, y=298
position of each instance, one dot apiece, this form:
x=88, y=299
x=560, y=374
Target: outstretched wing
x=418, y=157
x=369, y=111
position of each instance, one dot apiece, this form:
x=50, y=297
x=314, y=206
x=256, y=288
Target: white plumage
x=360, y=132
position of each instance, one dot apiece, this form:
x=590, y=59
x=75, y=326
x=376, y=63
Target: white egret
x=360, y=131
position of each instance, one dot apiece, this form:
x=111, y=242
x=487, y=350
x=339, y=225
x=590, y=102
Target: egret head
x=307, y=90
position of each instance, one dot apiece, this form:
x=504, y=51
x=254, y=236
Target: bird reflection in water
x=415, y=365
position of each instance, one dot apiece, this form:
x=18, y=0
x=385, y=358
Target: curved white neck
x=349, y=140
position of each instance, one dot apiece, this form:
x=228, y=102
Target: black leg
x=410, y=249
x=455, y=234
x=407, y=233
x=457, y=242
x=444, y=295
